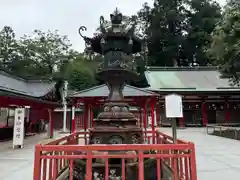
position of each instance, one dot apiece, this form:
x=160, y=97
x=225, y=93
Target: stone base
x=98, y=169
x=103, y=135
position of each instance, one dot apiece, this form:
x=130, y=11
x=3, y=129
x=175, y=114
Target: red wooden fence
x=53, y=158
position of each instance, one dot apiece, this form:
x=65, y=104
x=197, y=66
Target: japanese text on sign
x=18, y=134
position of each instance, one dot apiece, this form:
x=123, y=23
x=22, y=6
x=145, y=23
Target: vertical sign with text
x=18, y=133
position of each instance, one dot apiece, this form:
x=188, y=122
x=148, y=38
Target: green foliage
x=47, y=51
x=81, y=73
x=165, y=32
x=8, y=47
x=225, y=46
x=201, y=21
x=45, y=55
x=178, y=30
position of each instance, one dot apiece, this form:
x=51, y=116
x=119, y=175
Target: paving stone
x=217, y=157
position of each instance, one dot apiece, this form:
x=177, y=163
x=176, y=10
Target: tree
x=225, y=46
x=8, y=47
x=202, y=18
x=45, y=55
x=46, y=51
x=81, y=73
x=177, y=30
x=165, y=32
x=144, y=19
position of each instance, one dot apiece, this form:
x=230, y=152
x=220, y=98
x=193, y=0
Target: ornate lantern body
x=115, y=125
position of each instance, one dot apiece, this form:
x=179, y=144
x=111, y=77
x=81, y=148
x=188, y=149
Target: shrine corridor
x=217, y=158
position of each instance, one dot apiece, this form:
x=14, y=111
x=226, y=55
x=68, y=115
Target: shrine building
x=208, y=98
x=91, y=101
x=38, y=97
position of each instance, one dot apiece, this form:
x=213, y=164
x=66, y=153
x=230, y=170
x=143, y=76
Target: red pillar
x=145, y=117
x=145, y=121
x=153, y=102
x=204, y=114
x=181, y=122
x=88, y=124
x=158, y=118
x=92, y=117
x=73, y=120
x=86, y=116
x=227, y=112
x=50, y=123
x=140, y=117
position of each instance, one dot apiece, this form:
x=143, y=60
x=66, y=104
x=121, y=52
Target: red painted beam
x=6, y=101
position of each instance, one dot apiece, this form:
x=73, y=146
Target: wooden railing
x=227, y=130
x=221, y=127
x=55, y=157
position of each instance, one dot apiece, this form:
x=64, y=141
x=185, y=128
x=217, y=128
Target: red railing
x=56, y=157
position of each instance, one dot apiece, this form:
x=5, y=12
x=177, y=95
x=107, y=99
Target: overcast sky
x=64, y=15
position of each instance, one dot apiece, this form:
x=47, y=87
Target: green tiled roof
x=187, y=79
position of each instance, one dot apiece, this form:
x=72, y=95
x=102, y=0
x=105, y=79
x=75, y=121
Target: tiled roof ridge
x=184, y=68
x=88, y=89
x=143, y=90
x=6, y=72
x=104, y=85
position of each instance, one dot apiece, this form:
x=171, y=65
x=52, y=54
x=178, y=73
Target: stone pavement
x=217, y=158
x=18, y=163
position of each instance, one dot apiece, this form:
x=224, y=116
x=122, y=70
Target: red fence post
x=37, y=163
x=140, y=165
x=193, y=166
x=89, y=166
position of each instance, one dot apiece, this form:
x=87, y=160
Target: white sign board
x=173, y=106
x=18, y=133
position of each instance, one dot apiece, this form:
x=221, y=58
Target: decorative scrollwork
x=102, y=25
x=102, y=20
x=82, y=28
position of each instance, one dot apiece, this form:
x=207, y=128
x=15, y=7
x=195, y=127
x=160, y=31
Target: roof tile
x=102, y=91
x=194, y=79
x=22, y=86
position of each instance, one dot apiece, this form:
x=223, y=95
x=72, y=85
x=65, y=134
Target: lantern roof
x=116, y=31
